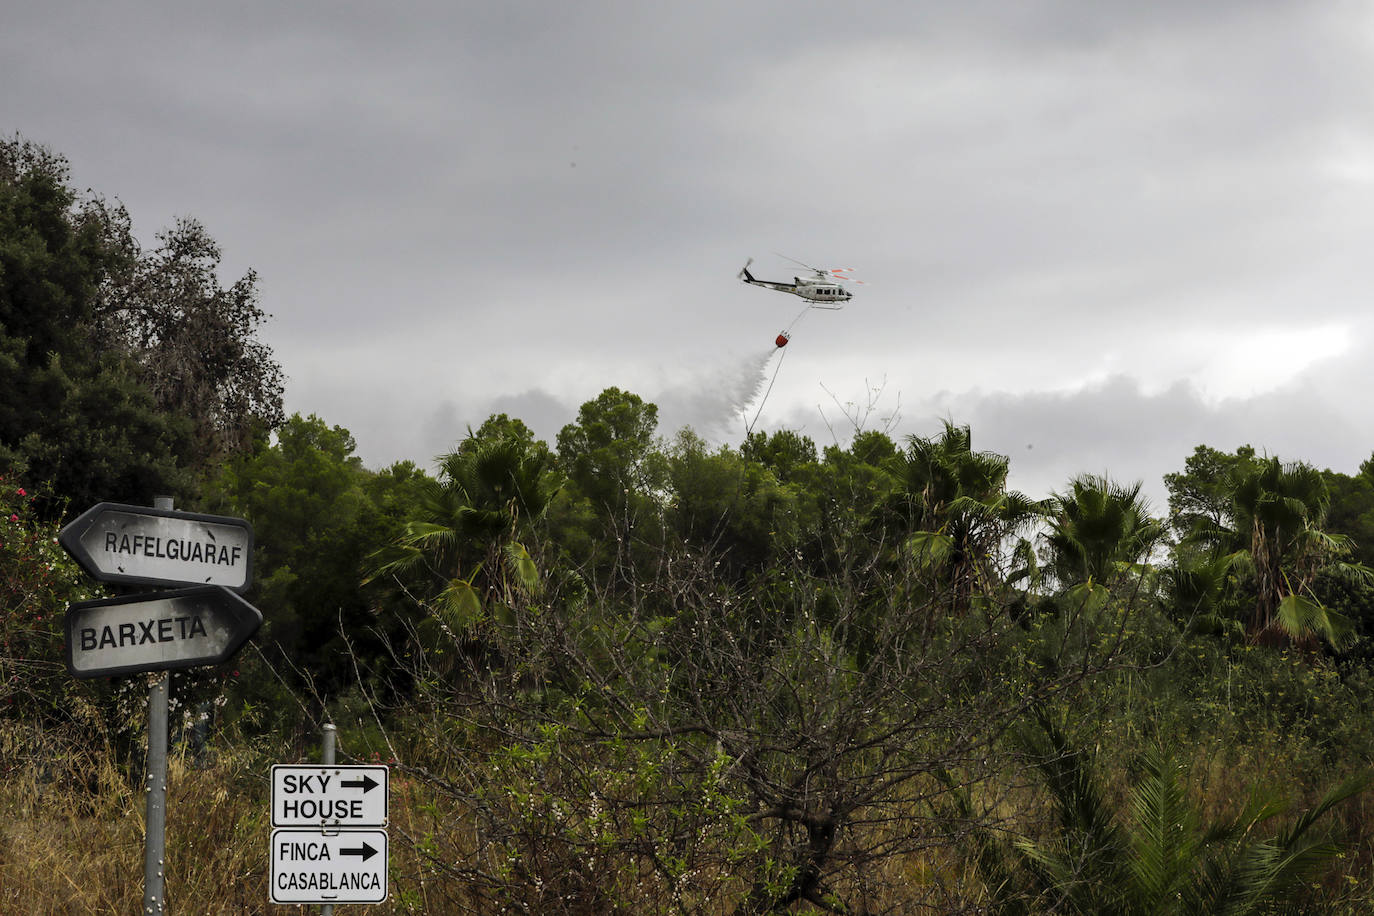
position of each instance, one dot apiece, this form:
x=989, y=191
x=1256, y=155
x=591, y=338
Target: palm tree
x=1155, y=856
x=1273, y=536
x=955, y=510
x=465, y=540
x=1098, y=530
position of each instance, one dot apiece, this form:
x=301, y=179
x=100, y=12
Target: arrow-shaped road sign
x=142, y=546
x=162, y=631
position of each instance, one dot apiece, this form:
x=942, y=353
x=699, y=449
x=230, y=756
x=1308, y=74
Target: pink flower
x=20, y=492
x=14, y=518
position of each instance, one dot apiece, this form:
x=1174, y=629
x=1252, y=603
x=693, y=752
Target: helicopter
x=823, y=287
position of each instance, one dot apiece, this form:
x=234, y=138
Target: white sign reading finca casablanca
x=313, y=867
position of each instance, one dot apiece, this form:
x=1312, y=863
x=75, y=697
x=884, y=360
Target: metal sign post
x=155, y=836
x=329, y=739
x=200, y=625
x=319, y=852
x=155, y=820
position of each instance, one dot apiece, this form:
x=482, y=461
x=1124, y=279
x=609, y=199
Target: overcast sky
x=1098, y=232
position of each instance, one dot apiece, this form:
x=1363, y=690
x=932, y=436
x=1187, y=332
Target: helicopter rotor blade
x=842, y=273
x=802, y=263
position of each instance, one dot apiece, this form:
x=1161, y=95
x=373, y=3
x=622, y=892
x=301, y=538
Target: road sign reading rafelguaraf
x=158, y=632
x=142, y=546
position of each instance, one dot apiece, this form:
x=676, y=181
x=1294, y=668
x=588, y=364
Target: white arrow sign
x=329, y=796
x=313, y=867
x=142, y=546
x=163, y=631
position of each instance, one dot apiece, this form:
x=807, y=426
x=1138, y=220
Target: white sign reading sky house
x=329, y=796
x=137, y=545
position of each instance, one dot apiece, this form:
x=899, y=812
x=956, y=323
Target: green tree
x=953, y=505
x=73, y=413
x=1097, y=530
x=464, y=542
x=1200, y=496
x=1269, y=518
x=317, y=516
x=607, y=452
x=1280, y=510
x=733, y=508
x=196, y=342
x=789, y=455
x=122, y=375
x=610, y=516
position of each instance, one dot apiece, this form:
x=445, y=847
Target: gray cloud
x=461, y=205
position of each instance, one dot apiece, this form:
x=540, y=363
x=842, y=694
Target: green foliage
x=37, y=581
x=945, y=488
x=1099, y=530
x=196, y=343
x=73, y=413
x=639, y=675
x=606, y=451
x=317, y=515
x=1154, y=855
x=459, y=551
x=1200, y=497
x=1268, y=520
x=122, y=375
x=609, y=517
x=789, y=455
x=736, y=509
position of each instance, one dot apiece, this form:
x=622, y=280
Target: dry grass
x=75, y=846
x=79, y=850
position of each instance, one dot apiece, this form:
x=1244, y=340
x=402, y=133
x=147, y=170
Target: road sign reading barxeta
x=138, y=545
x=329, y=796
x=162, y=631
x=313, y=867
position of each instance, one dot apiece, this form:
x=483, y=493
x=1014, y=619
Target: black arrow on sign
x=365, y=851
x=367, y=783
